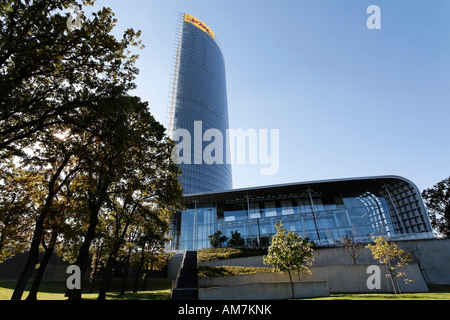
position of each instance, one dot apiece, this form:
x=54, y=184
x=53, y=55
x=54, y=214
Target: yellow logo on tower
x=199, y=24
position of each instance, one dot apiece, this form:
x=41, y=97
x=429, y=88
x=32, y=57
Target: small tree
x=390, y=255
x=289, y=251
x=354, y=249
x=217, y=239
x=236, y=240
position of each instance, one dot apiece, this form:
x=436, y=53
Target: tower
x=198, y=105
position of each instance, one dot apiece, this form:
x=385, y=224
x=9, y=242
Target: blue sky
x=348, y=101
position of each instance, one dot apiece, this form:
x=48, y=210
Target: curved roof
x=342, y=185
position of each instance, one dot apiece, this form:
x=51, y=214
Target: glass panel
x=361, y=216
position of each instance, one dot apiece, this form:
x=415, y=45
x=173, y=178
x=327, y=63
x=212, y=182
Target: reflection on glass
x=360, y=217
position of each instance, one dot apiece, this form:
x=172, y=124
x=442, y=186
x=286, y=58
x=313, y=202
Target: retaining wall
x=265, y=291
x=431, y=255
x=339, y=278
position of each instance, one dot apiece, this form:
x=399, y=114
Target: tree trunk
x=136, y=279
x=43, y=266
x=125, y=274
x=147, y=275
x=94, y=272
x=292, y=284
x=106, y=277
x=33, y=254
x=32, y=260
x=138, y=270
x=111, y=262
x=83, y=256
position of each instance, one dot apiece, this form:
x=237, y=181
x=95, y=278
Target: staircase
x=186, y=284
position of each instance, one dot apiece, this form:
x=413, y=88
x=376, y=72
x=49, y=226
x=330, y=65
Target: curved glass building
x=198, y=110
x=323, y=211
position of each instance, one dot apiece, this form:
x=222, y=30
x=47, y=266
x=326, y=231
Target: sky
x=348, y=101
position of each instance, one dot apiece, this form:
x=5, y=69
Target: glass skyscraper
x=198, y=103
x=324, y=211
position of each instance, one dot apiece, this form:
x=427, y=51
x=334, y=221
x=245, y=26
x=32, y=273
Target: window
x=270, y=208
x=286, y=207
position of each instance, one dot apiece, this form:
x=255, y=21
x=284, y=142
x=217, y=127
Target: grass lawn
x=157, y=289
x=387, y=296
x=437, y=292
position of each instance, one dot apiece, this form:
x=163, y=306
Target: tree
x=155, y=262
x=390, y=255
x=437, y=200
x=150, y=242
x=98, y=259
x=122, y=218
x=236, y=240
x=56, y=177
x=354, y=249
x=133, y=150
x=119, y=219
x=216, y=240
x=21, y=195
x=289, y=252
x=53, y=78
x=64, y=96
x=47, y=72
x=48, y=253
x=121, y=151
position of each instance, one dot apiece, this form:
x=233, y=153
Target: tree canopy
x=389, y=254
x=437, y=200
x=48, y=72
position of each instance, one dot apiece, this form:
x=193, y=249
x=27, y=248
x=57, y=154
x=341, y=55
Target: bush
x=210, y=272
x=236, y=240
x=216, y=239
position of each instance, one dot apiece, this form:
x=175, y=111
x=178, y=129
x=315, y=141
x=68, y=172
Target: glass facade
x=324, y=212
x=199, y=95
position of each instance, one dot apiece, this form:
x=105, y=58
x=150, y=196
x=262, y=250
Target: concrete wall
x=266, y=291
x=339, y=278
x=353, y=278
x=174, y=266
x=244, y=279
x=256, y=261
x=431, y=255
x=323, y=257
